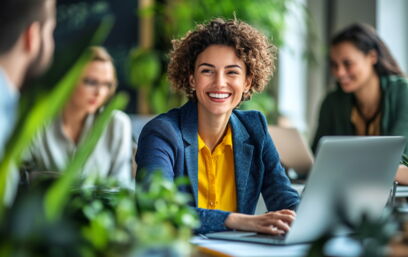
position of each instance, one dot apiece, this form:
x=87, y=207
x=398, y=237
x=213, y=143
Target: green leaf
x=261, y=102
x=159, y=97
x=145, y=67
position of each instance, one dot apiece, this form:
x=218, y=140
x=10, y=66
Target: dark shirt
x=335, y=111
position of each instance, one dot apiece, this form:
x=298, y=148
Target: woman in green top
x=372, y=93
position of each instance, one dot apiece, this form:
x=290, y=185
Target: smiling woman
x=227, y=154
x=371, y=97
x=112, y=157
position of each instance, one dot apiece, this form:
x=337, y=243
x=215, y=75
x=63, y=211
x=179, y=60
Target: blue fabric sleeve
x=276, y=188
x=156, y=149
x=211, y=220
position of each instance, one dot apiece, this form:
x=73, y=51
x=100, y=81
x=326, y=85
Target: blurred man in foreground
x=26, y=49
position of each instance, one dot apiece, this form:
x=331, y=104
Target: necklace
x=369, y=120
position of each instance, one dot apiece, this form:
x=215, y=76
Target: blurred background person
x=372, y=94
x=112, y=156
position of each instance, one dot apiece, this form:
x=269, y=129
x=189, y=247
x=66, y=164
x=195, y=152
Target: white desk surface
x=242, y=249
x=340, y=246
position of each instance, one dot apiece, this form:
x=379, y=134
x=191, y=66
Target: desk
x=339, y=246
x=242, y=249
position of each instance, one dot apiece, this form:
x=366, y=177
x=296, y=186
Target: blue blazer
x=169, y=143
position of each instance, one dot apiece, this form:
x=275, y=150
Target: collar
x=226, y=140
x=11, y=91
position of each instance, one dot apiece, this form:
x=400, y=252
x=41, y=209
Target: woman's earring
x=192, y=92
x=244, y=95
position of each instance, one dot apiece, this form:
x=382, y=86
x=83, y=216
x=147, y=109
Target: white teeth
x=219, y=96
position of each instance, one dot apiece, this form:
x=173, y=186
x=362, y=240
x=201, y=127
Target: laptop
x=351, y=174
x=293, y=150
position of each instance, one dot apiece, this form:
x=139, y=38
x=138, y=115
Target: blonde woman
x=112, y=156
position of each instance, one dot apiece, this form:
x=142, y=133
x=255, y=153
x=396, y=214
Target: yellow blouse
x=216, y=175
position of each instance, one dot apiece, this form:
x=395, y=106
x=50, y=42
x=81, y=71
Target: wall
x=292, y=69
x=349, y=11
x=391, y=19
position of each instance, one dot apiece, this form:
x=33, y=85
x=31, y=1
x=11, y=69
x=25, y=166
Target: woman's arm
x=278, y=194
x=276, y=188
x=274, y=223
x=398, y=113
x=157, y=150
x=402, y=175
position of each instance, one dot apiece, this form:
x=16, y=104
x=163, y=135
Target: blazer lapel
x=242, y=159
x=189, y=131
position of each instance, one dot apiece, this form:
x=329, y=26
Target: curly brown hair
x=251, y=46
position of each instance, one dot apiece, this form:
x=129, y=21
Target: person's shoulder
x=120, y=126
x=119, y=121
x=251, y=119
x=394, y=83
x=249, y=115
x=119, y=116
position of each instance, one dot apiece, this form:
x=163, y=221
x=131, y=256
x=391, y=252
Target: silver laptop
x=351, y=174
x=293, y=150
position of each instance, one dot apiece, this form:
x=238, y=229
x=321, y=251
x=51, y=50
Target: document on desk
x=242, y=249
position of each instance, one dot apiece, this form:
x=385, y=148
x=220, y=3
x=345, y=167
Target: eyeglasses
x=95, y=83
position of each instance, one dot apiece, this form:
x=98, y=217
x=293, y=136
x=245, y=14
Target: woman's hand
x=275, y=223
x=402, y=175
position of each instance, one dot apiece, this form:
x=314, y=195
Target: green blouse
x=335, y=111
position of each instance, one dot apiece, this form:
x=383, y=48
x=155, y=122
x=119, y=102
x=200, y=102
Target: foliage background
x=75, y=20
x=172, y=19
x=141, y=69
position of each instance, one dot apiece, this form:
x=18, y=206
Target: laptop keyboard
x=265, y=238
x=248, y=237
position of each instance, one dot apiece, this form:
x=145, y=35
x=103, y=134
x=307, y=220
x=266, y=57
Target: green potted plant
x=153, y=221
